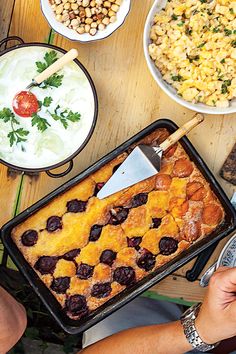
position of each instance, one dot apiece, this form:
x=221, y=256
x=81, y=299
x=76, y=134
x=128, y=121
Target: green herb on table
x=15, y=136
x=64, y=116
x=180, y=24
x=225, y=85
x=41, y=123
x=54, y=80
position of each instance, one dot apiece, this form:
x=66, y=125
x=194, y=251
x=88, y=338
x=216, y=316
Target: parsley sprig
x=64, y=116
x=54, y=80
x=15, y=136
x=41, y=123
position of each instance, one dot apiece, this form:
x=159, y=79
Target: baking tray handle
x=11, y=38
x=193, y=274
x=61, y=174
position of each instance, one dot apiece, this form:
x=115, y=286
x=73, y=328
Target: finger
x=222, y=269
x=226, y=279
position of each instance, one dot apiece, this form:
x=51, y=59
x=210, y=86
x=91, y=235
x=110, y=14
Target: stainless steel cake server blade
x=144, y=161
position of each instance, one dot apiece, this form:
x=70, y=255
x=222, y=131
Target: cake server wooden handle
x=185, y=129
x=52, y=69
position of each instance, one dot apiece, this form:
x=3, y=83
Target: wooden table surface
x=129, y=100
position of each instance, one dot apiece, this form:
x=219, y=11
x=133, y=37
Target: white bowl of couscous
x=192, y=54
x=85, y=20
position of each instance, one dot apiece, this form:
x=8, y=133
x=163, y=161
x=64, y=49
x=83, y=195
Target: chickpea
x=74, y=6
x=65, y=17
x=88, y=20
x=113, y=19
x=75, y=22
x=111, y=13
x=93, y=31
x=67, y=23
x=85, y=3
x=118, y=2
x=58, y=2
x=101, y=26
x=67, y=6
x=107, y=4
x=72, y=15
x=59, y=18
x=87, y=28
x=106, y=21
x=104, y=11
x=81, y=30
x=115, y=7
x=94, y=25
x=88, y=12
x=59, y=9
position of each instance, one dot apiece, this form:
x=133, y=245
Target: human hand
x=217, y=318
x=12, y=321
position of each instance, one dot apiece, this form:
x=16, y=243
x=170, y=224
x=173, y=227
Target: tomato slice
x=25, y=104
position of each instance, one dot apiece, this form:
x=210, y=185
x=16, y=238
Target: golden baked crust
x=88, y=250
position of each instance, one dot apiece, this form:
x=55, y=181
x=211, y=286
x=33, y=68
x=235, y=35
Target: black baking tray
x=77, y=326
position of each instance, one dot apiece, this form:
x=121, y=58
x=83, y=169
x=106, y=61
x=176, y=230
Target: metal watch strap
x=188, y=322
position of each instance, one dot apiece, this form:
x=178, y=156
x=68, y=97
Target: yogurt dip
x=55, y=144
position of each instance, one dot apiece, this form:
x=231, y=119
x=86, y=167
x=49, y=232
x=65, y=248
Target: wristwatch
x=188, y=321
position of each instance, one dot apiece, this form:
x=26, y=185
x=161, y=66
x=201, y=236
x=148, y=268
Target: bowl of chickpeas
x=190, y=49
x=85, y=20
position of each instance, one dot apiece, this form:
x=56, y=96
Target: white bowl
x=168, y=89
x=85, y=37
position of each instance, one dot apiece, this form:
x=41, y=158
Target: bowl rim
x=50, y=21
x=226, y=246
x=95, y=115
x=198, y=107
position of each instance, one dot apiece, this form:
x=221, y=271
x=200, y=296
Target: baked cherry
x=76, y=206
x=60, y=285
x=134, y=242
x=95, y=232
x=54, y=223
x=139, y=200
x=168, y=245
x=101, y=290
x=118, y=215
x=108, y=257
x=46, y=264
x=84, y=271
x=156, y=222
x=69, y=256
x=29, y=238
x=76, y=305
x=124, y=275
x=98, y=187
x=146, y=261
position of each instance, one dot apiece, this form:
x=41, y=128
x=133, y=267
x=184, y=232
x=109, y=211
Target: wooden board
x=129, y=100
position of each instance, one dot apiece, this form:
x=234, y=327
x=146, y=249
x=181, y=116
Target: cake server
x=144, y=161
